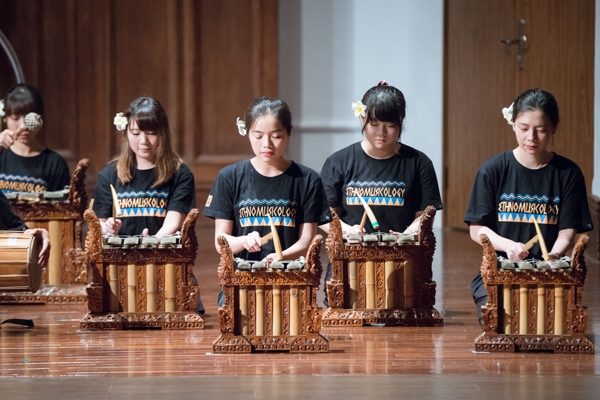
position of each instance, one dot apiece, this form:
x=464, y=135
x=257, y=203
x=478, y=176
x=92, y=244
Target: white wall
x=332, y=51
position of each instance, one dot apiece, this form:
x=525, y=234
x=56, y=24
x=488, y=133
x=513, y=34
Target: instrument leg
x=353, y=281
x=507, y=303
x=131, y=284
x=150, y=289
x=408, y=284
x=113, y=279
x=244, y=309
x=54, y=263
x=260, y=310
x=559, y=310
x=523, y=309
x=390, y=284
x=541, y=310
x=370, y=283
x=170, y=287
x=276, y=310
x=294, y=311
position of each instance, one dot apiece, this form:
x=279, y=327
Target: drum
x=19, y=268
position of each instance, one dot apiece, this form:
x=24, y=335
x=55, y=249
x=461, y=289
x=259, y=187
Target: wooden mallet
x=363, y=220
x=116, y=206
x=276, y=241
x=369, y=212
x=266, y=238
x=541, y=238
x=530, y=244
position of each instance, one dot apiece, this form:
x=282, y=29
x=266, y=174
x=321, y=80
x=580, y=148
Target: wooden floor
x=56, y=348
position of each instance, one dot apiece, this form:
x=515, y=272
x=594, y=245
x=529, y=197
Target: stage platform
x=433, y=361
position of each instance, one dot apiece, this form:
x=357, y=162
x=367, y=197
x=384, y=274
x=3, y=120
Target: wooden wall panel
x=204, y=60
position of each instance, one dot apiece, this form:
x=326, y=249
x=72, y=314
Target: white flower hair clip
x=2, y=113
x=120, y=122
x=507, y=112
x=359, y=109
x=241, y=125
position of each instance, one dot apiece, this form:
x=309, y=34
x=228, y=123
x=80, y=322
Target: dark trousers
x=199, y=307
x=480, y=295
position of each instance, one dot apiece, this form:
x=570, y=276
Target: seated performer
x=26, y=165
x=10, y=221
x=245, y=194
x=514, y=187
x=396, y=180
x=156, y=190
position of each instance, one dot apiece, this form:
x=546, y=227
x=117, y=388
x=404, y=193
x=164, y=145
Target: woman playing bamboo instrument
x=516, y=189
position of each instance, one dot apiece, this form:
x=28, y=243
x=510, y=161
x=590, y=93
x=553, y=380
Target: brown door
x=481, y=76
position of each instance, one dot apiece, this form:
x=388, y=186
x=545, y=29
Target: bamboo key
x=541, y=238
x=369, y=212
x=276, y=241
x=116, y=206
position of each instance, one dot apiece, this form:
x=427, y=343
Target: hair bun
x=382, y=83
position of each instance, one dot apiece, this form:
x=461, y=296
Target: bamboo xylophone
x=382, y=281
x=61, y=214
x=534, y=308
x=140, y=283
x=270, y=307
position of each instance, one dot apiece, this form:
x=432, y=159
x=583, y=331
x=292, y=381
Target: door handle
x=519, y=41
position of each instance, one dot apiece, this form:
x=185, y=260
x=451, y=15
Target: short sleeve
x=430, y=191
x=182, y=197
x=575, y=212
x=315, y=207
x=103, y=203
x=9, y=221
x=60, y=177
x=481, y=209
x=333, y=183
x=221, y=198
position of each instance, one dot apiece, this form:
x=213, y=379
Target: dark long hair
x=537, y=100
x=149, y=115
x=262, y=106
x=386, y=104
x=23, y=99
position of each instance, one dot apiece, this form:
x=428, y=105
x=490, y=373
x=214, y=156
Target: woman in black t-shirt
x=245, y=194
x=396, y=180
x=530, y=182
x=155, y=189
x=26, y=165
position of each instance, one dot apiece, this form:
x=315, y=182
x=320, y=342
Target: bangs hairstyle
x=385, y=104
x=22, y=99
x=262, y=106
x=537, y=100
x=150, y=116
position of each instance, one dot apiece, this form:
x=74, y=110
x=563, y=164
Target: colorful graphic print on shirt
x=143, y=204
x=21, y=183
x=389, y=193
x=255, y=212
x=524, y=208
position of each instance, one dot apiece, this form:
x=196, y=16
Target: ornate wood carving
x=574, y=321
x=309, y=319
x=421, y=254
x=73, y=265
x=182, y=257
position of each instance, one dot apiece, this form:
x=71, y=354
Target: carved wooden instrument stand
x=142, y=287
x=270, y=310
x=537, y=309
x=64, y=279
x=382, y=284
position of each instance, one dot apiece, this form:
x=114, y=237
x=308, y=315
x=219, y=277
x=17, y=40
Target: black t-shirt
x=506, y=196
x=47, y=171
x=142, y=205
x=395, y=188
x=242, y=195
x=9, y=221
